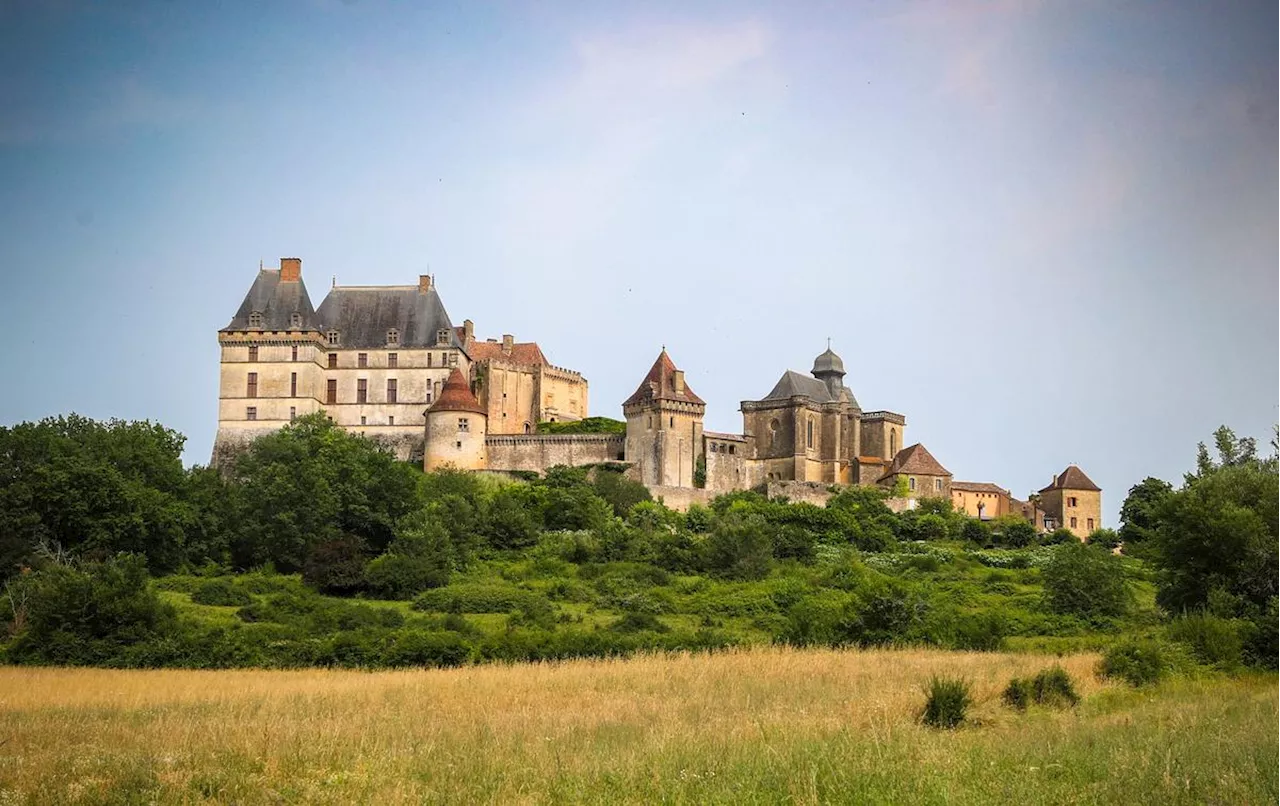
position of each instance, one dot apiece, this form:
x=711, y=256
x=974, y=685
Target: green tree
x=508, y=524
x=420, y=557
x=1013, y=531
x=1139, y=515
x=739, y=547
x=618, y=491
x=1086, y=581
x=312, y=482
x=337, y=565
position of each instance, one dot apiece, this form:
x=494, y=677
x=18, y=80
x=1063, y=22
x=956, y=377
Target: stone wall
x=808, y=492
x=680, y=498
x=537, y=452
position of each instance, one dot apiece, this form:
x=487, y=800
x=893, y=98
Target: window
x=393, y=360
x=937, y=485
x=333, y=337
x=809, y=434
x=391, y=420
x=362, y=420
x=1073, y=523
x=429, y=357
x=893, y=443
x=391, y=390
x=293, y=413
x=1071, y=502
x=458, y=445
x=253, y=353
x=295, y=354
x=362, y=360
x=730, y=450
x=293, y=384
x=331, y=391
x=428, y=395
x=362, y=390
x=911, y=484
x=393, y=337
x=463, y=424
x=333, y=360
x=252, y=386
x=1090, y=526
x=672, y=422
x=527, y=428
x=442, y=336
x=295, y=320
x=251, y=413
x=255, y=319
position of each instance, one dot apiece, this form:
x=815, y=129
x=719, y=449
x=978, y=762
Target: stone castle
x=388, y=363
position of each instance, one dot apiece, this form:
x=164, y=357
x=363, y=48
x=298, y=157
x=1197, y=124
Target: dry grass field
x=758, y=726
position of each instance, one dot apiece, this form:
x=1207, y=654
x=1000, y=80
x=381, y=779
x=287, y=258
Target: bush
x=1018, y=694
x=947, y=702
x=739, y=547
x=222, y=592
x=1212, y=641
x=473, y=598
x=1060, y=536
x=336, y=566
x=1013, y=531
x=637, y=621
x=976, y=532
x=1053, y=687
x=1086, y=581
x=1137, y=662
x=981, y=633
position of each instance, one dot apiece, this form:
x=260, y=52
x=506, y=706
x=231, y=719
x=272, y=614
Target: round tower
x=456, y=428
x=829, y=368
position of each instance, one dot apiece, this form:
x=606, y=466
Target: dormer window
x=393, y=337
x=255, y=319
x=295, y=320
x=442, y=336
x=333, y=337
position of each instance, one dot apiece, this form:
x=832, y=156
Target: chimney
x=678, y=382
x=424, y=283
x=468, y=331
x=290, y=269
x=507, y=342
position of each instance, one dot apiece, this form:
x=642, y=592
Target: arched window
x=295, y=320
x=893, y=443
x=393, y=337
x=809, y=433
x=255, y=319
x=527, y=429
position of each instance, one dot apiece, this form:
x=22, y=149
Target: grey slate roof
x=362, y=315
x=793, y=383
x=828, y=362
x=277, y=302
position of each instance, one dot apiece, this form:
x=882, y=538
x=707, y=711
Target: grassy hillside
x=762, y=725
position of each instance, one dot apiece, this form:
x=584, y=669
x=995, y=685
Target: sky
x=1044, y=232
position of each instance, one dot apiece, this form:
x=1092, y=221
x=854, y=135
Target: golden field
x=753, y=726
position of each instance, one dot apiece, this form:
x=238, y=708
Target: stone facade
x=519, y=387
x=980, y=500
x=537, y=452
x=1072, y=501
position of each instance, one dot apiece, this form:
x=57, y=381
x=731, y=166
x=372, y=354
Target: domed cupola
x=827, y=364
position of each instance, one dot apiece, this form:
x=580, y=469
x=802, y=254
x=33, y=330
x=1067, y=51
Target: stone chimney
x=290, y=269
x=424, y=283
x=468, y=331
x=678, y=382
x=508, y=341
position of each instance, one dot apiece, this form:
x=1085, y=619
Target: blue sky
x=1046, y=232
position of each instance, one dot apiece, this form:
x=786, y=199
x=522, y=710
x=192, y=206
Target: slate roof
x=916, y=459
x=828, y=362
x=659, y=384
x=362, y=315
x=456, y=395
x=523, y=353
x=793, y=383
x=277, y=302
x=978, y=487
x=1073, y=478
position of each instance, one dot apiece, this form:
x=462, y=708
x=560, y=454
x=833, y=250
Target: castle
x=387, y=362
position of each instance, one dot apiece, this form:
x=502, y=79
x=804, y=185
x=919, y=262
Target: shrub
x=1086, y=581
x=222, y=592
x=638, y=621
x=415, y=648
x=1017, y=694
x=336, y=566
x=947, y=702
x=1013, y=531
x=1060, y=536
x=739, y=547
x=1213, y=641
x=981, y=633
x=1053, y=687
x=473, y=598
x=1138, y=662
x=976, y=532
x=401, y=576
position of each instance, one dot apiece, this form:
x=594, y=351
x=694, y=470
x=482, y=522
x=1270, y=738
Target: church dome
x=827, y=363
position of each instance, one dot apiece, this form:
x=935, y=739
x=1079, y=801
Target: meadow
x=757, y=725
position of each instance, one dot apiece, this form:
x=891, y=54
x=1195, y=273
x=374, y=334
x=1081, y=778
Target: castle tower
x=1074, y=502
x=664, y=426
x=456, y=428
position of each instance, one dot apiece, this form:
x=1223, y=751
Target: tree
x=1013, y=531
x=739, y=547
x=1086, y=581
x=618, y=491
x=336, y=565
x=1139, y=514
x=312, y=482
x=1104, y=538
x=420, y=557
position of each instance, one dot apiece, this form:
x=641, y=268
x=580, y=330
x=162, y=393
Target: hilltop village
x=387, y=362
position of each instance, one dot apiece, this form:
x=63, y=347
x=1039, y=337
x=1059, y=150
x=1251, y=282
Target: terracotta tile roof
x=526, y=353
x=1073, y=478
x=456, y=396
x=659, y=384
x=916, y=459
x=871, y=460
x=978, y=487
